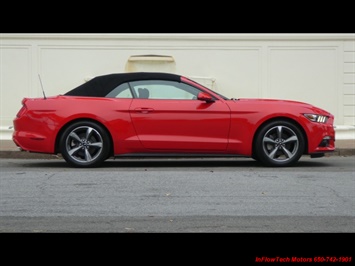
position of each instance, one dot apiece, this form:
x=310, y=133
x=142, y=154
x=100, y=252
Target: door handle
x=144, y=110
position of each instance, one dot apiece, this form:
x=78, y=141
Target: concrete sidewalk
x=8, y=149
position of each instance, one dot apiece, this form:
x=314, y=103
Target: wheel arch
x=60, y=132
x=283, y=118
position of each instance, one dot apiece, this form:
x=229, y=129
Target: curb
x=27, y=155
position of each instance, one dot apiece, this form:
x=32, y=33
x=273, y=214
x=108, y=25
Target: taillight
x=23, y=108
x=22, y=111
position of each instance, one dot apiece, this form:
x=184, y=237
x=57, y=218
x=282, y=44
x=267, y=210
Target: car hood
x=280, y=104
x=270, y=100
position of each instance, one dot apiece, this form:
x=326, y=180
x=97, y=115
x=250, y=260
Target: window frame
x=193, y=90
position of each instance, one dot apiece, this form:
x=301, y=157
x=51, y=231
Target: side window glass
x=121, y=91
x=161, y=89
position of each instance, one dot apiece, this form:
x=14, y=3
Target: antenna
x=44, y=95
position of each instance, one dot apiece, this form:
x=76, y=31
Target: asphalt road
x=177, y=195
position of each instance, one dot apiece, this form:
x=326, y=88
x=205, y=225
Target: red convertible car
x=163, y=114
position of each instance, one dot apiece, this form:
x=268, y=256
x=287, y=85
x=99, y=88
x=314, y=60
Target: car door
x=167, y=116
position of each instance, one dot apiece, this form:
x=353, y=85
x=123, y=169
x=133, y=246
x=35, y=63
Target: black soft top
x=100, y=86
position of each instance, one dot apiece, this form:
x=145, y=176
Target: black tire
x=279, y=143
x=85, y=144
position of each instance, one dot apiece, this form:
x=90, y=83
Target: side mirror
x=203, y=96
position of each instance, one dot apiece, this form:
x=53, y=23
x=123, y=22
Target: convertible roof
x=100, y=86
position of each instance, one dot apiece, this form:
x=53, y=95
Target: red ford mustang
x=162, y=114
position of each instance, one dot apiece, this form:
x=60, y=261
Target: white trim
x=184, y=36
x=6, y=132
x=344, y=132
x=161, y=58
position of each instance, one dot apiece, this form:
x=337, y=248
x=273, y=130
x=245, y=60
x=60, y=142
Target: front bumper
x=322, y=139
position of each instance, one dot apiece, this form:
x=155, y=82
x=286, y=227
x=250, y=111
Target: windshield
x=220, y=95
x=200, y=85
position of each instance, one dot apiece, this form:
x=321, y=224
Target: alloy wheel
x=280, y=143
x=84, y=144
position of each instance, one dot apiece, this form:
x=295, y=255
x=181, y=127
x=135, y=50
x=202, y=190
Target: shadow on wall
x=151, y=63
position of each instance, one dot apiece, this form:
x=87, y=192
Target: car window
x=162, y=89
x=121, y=91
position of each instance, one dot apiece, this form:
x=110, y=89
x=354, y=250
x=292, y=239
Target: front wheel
x=279, y=143
x=84, y=144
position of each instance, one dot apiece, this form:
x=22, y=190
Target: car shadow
x=178, y=162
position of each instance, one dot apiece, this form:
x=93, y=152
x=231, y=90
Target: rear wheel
x=85, y=144
x=279, y=143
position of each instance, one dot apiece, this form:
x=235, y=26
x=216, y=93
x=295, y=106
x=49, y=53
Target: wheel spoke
x=291, y=139
x=267, y=139
x=273, y=153
x=88, y=132
x=75, y=136
x=73, y=151
x=287, y=152
x=88, y=157
x=95, y=144
x=279, y=132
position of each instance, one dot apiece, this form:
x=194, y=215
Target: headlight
x=316, y=118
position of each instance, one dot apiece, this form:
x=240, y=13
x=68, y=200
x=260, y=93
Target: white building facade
x=314, y=68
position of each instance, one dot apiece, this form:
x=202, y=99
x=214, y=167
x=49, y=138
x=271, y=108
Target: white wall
x=316, y=68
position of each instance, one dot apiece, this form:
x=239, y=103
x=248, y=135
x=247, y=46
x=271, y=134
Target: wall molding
x=181, y=36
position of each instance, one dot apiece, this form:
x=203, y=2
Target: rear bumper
x=33, y=136
x=31, y=142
